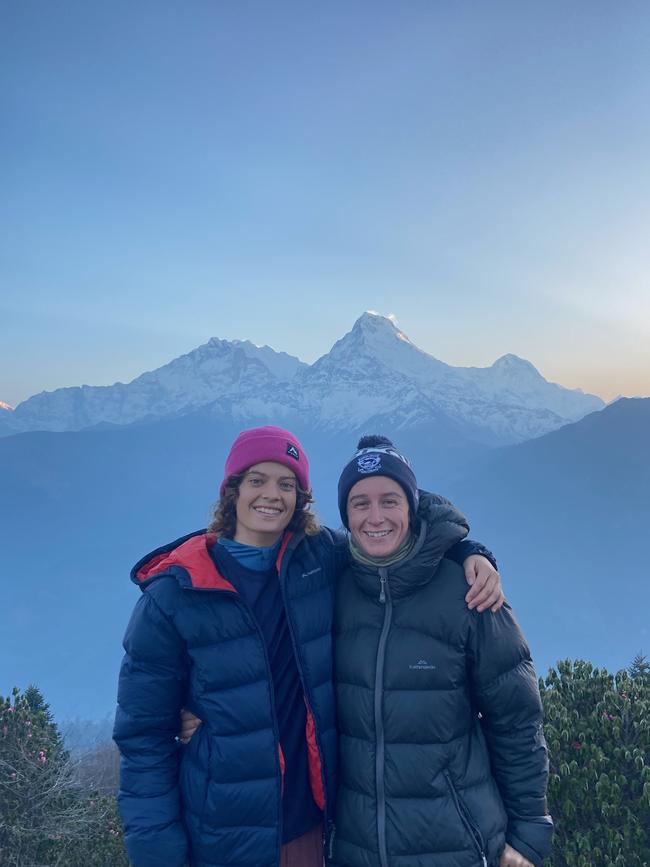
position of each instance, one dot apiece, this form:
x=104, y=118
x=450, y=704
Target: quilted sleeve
x=507, y=697
x=150, y=696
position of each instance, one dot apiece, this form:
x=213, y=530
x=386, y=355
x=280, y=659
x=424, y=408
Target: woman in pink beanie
x=234, y=624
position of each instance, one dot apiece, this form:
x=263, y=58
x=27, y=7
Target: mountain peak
x=371, y=335
x=377, y=327
x=513, y=363
x=281, y=364
x=377, y=323
x=371, y=317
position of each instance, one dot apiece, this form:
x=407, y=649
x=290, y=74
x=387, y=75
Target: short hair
x=224, y=515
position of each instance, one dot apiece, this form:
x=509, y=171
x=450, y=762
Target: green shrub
x=598, y=732
x=46, y=818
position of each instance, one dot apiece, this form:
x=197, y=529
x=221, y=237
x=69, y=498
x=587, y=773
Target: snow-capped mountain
x=218, y=372
x=6, y=413
x=375, y=370
x=373, y=373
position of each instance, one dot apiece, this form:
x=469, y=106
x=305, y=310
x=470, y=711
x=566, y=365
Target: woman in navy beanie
x=234, y=624
x=443, y=761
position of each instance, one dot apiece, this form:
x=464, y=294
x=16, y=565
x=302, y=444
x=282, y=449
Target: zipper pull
x=382, y=584
x=330, y=848
x=485, y=864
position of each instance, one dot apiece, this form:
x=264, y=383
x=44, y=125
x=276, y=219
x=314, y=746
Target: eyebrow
x=357, y=497
x=290, y=478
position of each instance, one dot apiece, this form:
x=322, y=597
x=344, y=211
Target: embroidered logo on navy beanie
x=369, y=463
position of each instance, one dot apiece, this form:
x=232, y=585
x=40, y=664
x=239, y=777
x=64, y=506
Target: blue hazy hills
x=566, y=514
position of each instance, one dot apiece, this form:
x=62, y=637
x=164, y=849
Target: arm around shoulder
x=480, y=568
x=460, y=551
x=336, y=543
x=507, y=696
x=150, y=696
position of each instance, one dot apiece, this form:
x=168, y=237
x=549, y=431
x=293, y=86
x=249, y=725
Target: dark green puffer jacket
x=442, y=755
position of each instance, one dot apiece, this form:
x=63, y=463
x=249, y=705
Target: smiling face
x=266, y=501
x=378, y=515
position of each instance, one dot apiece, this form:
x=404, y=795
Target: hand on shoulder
x=485, y=584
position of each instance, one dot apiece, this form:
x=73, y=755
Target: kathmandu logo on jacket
x=422, y=665
x=292, y=451
x=369, y=463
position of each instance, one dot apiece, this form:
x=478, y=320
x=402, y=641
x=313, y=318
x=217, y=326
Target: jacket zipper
x=385, y=599
x=467, y=820
x=305, y=692
x=330, y=846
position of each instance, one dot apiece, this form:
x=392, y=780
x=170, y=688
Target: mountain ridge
x=373, y=370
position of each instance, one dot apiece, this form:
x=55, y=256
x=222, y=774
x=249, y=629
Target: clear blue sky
x=171, y=171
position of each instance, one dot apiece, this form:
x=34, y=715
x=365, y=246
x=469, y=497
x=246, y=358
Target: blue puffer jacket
x=192, y=642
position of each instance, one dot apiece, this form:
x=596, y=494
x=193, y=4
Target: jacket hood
x=439, y=526
x=188, y=559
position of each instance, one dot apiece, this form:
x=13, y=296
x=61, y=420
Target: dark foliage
x=598, y=732
x=46, y=818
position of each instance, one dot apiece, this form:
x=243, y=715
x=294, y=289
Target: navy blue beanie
x=377, y=456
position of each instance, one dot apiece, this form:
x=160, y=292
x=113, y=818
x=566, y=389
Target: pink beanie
x=267, y=444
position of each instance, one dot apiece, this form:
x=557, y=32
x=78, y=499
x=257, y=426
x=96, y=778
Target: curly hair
x=224, y=516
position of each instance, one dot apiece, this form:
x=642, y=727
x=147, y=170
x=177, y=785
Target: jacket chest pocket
x=466, y=819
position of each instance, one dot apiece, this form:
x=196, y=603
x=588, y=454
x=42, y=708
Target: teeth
x=378, y=534
x=263, y=510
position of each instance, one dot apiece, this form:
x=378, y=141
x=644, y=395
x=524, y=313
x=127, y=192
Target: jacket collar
x=190, y=556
